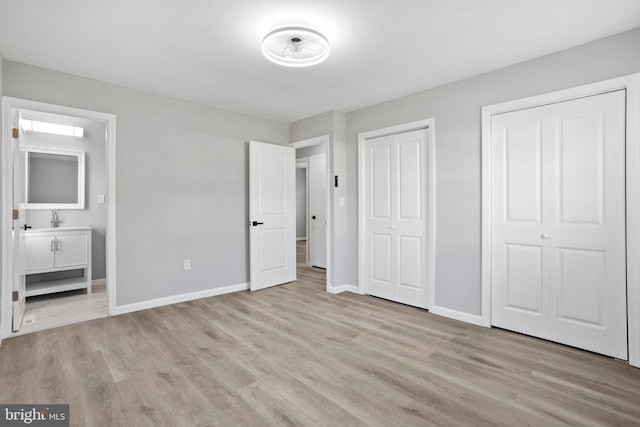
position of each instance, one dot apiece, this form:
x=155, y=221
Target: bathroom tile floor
x=64, y=308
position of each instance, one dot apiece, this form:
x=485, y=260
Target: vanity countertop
x=35, y=230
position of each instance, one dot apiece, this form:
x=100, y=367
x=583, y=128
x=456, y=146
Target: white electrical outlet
x=187, y=264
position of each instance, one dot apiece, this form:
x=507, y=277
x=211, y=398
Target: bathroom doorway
x=65, y=220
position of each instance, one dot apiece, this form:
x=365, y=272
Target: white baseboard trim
x=174, y=299
x=98, y=282
x=457, y=315
x=300, y=238
x=343, y=288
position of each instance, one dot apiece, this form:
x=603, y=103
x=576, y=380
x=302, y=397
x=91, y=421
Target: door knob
x=313, y=217
x=544, y=235
x=256, y=223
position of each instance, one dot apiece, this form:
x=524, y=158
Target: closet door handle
x=58, y=245
x=52, y=245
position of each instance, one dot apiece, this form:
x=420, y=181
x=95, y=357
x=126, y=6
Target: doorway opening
x=312, y=210
x=59, y=236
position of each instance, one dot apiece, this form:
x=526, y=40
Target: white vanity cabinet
x=58, y=249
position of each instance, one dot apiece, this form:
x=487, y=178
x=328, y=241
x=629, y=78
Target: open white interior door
x=17, y=235
x=272, y=249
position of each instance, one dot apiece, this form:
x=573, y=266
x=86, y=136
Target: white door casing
x=19, y=278
x=316, y=211
x=9, y=105
x=395, y=210
x=558, y=222
x=325, y=142
x=271, y=215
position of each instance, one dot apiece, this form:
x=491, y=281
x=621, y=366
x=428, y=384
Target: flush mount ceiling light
x=295, y=46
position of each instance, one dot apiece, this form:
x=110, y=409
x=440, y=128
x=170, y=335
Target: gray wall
x=310, y=151
x=181, y=181
x=457, y=111
x=94, y=214
x=301, y=202
x=318, y=125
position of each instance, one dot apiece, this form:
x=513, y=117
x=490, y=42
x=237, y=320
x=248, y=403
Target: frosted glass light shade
x=295, y=46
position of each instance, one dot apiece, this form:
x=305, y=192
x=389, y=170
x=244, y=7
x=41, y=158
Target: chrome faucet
x=55, y=219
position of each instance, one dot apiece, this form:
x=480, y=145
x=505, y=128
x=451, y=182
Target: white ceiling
x=208, y=51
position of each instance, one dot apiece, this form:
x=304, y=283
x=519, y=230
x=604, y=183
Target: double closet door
x=558, y=223
x=395, y=210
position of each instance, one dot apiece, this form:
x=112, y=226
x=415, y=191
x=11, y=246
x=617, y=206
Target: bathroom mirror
x=54, y=178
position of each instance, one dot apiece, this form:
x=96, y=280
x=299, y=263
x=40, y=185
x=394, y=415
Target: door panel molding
x=631, y=84
x=272, y=222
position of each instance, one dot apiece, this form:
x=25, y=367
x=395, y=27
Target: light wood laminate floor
x=295, y=355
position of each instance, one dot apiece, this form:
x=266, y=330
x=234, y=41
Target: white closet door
x=588, y=258
x=519, y=289
x=559, y=269
x=317, y=213
x=395, y=209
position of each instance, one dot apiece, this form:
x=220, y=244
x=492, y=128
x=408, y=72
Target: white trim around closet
x=429, y=125
x=631, y=84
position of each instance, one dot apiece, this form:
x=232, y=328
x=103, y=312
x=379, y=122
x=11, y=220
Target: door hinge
x=14, y=296
x=16, y=214
x=15, y=133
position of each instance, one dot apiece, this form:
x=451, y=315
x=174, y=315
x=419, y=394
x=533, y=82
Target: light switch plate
x=100, y=198
x=341, y=201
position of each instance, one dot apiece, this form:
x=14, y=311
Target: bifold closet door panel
x=395, y=222
x=558, y=225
